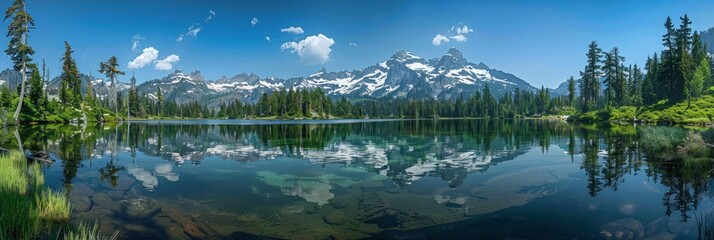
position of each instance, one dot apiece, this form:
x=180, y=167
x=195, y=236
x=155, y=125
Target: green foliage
x=70, y=92
x=661, y=140
x=29, y=209
x=20, y=24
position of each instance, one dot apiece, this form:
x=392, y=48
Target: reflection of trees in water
x=447, y=149
x=687, y=185
x=612, y=154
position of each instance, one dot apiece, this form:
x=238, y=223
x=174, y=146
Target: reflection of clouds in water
x=149, y=179
x=243, y=152
x=626, y=208
x=311, y=191
x=165, y=170
x=145, y=177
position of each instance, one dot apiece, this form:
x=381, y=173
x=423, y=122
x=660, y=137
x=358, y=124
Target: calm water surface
x=486, y=179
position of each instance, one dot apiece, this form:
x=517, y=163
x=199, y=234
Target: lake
x=350, y=179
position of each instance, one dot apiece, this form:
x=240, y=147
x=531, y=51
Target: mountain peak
x=453, y=56
x=403, y=56
x=321, y=73
x=454, y=52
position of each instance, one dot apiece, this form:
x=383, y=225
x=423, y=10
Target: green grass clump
x=661, y=143
x=29, y=210
x=88, y=232
x=12, y=174
x=53, y=206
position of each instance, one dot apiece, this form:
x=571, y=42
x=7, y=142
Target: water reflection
x=454, y=163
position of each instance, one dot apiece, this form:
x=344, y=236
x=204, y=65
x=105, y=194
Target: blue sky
x=542, y=42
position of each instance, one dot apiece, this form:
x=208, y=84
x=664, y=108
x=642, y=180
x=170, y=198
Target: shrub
x=661, y=140
x=693, y=147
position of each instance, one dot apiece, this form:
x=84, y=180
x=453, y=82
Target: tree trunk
x=22, y=95
x=19, y=141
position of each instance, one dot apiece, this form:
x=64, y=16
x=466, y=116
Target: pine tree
x=6, y=96
x=571, y=91
x=20, y=53
x=110, y=69
x=696, y=83
x=635, y=86
x=90, y=98
x=70, y=93
x=133, y=96
x=666, y=78
x=36, y=89
x=686, y=63
x=589, y=78
x=159, y=100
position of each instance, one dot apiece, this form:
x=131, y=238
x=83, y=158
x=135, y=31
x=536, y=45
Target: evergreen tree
x=90, y=97
x=36, y=89
x=571, y=91
x=159, y=100
x=666, y=78
x=635, y=86
x=133, y=96
x=20, y=53
x=110, y=69
x=70, y=93
x=6, y=96
x=589, y=78
x=686, y=63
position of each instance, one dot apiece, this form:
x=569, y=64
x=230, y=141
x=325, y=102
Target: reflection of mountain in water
x=402, y=150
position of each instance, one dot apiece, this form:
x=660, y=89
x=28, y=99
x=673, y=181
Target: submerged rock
x=137, y=209
x=116, y=194
x=103, y=200
x=334, y=217
x=81, y=190
x=622, y=229
x=81, y=203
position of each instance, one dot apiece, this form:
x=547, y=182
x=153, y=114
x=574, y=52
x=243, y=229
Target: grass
x=699, y=112
x=658, y=138
x=53, y=206
x=676, y=143
x=29, y=210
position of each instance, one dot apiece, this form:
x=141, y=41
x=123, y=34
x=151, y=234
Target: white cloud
x=462, y=30
x=293, y=30
x=267, y=38
x=166, y=63
x=439, y=39
x=459, y=38
x=253, y=21
x=136, y=42
x=457, y=33
x=351, y=45
x=194, y=29
x=211, y=14
x=147, y=55
x=312, y=50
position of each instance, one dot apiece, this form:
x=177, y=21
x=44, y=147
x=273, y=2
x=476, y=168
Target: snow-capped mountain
x=404, y=74
x=100, y=86
x=178, y=87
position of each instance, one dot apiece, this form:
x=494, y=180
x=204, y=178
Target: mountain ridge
x=402, y=75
